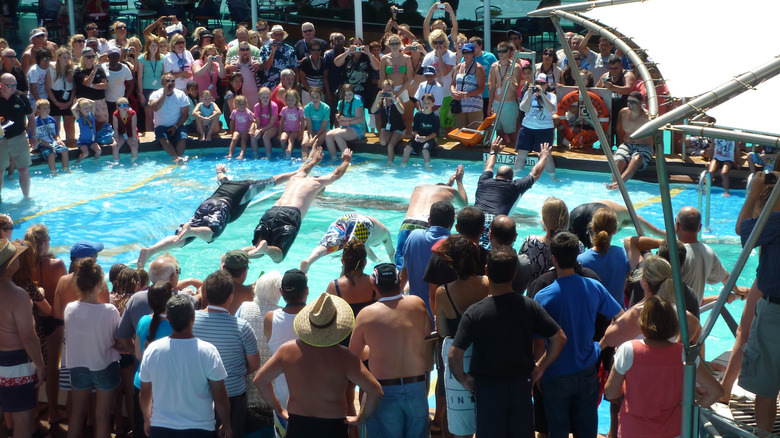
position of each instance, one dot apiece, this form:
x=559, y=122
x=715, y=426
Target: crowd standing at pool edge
x=521, y=341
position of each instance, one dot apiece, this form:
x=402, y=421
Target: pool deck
x=681, y=171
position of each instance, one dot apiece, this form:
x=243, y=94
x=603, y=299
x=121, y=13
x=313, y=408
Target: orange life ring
x=585, y=138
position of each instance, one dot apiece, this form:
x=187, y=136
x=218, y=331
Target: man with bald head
x=10, y=64
x=498, y=195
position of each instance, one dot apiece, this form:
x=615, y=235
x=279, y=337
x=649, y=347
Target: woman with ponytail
x=92, y=359
x=608, y=261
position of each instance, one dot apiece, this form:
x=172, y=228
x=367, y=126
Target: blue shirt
x=417, y=253
x=767, y=274
x=612, y=268
x=234, y=340
x=163, y=330
x=317, y=116
x=486, y=59
x=573, y=302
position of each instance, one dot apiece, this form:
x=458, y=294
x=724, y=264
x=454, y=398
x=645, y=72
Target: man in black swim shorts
x=279, y=226
x=224, y=206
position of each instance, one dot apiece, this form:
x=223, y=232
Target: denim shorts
x=162, y=132
x=107, y=379
x=403, y=411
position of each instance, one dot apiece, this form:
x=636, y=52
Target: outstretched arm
x=346, y=158
x=458, y=178
x=314, y=158
x=544, y=155
x=495, y=148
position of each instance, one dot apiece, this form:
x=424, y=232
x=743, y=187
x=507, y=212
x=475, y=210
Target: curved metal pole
x=605, y=146
x=722, y=93
x=580, y=7
x=743, y=257
x=639, y=64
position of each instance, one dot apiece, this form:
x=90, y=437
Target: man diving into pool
x=225, y=205
x=279, y=226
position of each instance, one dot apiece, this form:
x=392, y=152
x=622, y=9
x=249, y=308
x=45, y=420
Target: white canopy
x=700, y=44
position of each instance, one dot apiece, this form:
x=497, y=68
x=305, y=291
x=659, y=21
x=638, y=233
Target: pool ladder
x=705, y=190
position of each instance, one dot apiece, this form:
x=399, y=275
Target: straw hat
x=277, y=28
x=325, y=322
x=9, y=251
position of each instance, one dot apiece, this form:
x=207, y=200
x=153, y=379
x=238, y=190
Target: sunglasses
x=315, y=50
x=122, y=105
x=89, y=56
x=180, y=43
x=438, y=43
x=308, y=30
x=92, y=28
x=121, y=27
x=467, y=52
x=168, y=81
x=540, y=83
x=395, y=44
x=263, y=29
x=45, y=58
x=244, y=49
x=502, y=51
x=635, y=102
x=9, y=85
x=79, y=41
x=178, y=270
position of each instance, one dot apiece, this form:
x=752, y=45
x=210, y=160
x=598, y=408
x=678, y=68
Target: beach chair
x=475, y=137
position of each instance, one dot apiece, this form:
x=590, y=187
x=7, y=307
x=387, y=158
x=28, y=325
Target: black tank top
x=452, y=323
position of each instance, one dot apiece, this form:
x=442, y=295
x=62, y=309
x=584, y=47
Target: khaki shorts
x=17, y=149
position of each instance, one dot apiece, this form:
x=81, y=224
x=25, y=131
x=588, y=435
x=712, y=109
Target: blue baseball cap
x=84, y=249
x=430, y=70
x=468, y=47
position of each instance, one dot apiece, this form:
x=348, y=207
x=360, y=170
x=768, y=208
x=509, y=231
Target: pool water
x=128, y=207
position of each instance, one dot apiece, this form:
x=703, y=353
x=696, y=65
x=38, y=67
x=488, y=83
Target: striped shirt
x=234, y=340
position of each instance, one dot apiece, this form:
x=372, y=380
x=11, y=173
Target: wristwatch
x=492, y=152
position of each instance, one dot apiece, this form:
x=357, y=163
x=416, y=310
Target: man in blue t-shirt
x=570, y=386
x=486, y=59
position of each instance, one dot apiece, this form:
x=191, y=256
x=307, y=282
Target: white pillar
x=487, y=20
x=254, y=13
x=359, y=19
x=72, y=19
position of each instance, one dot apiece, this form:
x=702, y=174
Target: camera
x=399, y=11
x=128, y=49
x=387, y=94
x=770, y=178
x=412, y=47
x=276, y=43
x=441, y=6
x=358, y=49
x=214, y=58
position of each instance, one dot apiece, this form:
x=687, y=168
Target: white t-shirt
x=90, y=329
x=701, y=266
x=599, y=67
x=36, y=75
x=180, y=370
x=431, y=60
x=170, y=112
x=435, y=89
x=174, y=63
x=538, y=117
x=116, y=81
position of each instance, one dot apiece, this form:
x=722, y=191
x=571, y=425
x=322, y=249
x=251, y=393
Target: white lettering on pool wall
x=510, y=159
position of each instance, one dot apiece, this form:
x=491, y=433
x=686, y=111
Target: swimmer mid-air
x=224, y=206
x=352, y=226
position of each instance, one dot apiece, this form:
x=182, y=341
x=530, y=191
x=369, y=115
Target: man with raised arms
x=317, y=370
x=224, y=206
x=279, y=226
x=21, y=363
x=352, y=226
x=420, y=203
x=633, y=154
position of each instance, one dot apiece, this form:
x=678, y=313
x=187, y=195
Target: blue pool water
x=128, y=207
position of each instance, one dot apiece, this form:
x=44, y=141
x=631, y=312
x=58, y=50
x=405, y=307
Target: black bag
x=456, y=107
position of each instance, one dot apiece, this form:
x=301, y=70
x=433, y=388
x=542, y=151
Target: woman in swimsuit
x=468, y=83
x=398, y=68
x=356, y=289
x=451, y=302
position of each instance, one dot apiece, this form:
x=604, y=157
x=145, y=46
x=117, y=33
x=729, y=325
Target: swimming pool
x=128, y=207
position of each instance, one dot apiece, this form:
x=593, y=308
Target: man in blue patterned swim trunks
x=633, y=154
x=349, y=227
x=279, y=226
x=225, y=205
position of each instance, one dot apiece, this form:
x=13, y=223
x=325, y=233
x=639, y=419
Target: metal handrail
x=705, y=184
x=749, y=182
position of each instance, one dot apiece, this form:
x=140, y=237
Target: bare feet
x=143, y=256
x=185, y=230
x=260, y=249
x=612, y=186
x=726, y=194
x=228, y=156
x=240, y=157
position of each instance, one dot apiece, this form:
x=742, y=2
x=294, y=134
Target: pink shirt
x=206, y=81
x=293, y=117
x=89, y=335
x=242, y=120
x=262, y=113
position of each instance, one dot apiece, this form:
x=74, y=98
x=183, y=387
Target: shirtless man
x=279, y=226
x=635, y=155
x=580, y=217
x=19, y=346
x=503, y=75
x=352, y=226
x=224, y=206
x=420, y=203
x=317, y=406
x=390, y=334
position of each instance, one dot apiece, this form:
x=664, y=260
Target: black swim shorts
x=579, y=221
x=300, y=426
x=213, y=213
x=279, y=227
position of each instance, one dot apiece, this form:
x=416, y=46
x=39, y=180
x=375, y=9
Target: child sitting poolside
x=764, y=156
x=725, y=153
x=84, y=110
x=266, y=124
x=291, y=121
x=240, y=122
x=425, y=128
x=317, y=114
x=125, y=124
x=49, y=143
x=207, y=116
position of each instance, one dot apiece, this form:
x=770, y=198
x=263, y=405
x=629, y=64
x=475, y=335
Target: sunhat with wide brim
x=324, y=322
x=277, y=28
x=9, y=251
